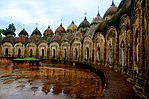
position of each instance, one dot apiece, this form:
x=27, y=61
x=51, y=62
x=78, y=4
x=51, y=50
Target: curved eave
x=35, y=34
x=56, y=38
x=126, y=8
x=64, y=39
x=102, y=27
x=68, y=38
x=115, y=20
x=91, y=31
x=121, y=4
x=112, y=10
x=79, y=35
x=75, y=39
x=8, y=39
x=23, y=40
x=35, y=40
x=41, y=40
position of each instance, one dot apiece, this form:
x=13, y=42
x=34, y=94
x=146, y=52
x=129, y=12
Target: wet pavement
x=117, y=86
x=48, y=82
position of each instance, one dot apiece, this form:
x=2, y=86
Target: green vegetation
x=1, y=31
x=8, y=31
x=0, y=34
x=26, y=58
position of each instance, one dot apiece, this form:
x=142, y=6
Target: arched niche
x=7, y=49
x=54, y=50
x=31, y=49
x=19, y=50
x=111, y=46
x=42, y=50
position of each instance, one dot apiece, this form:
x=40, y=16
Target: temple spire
x=113, y=3
x=23, y=26
x=98, y=12
x=36, y=25
x=72, y=22
x=49, y=25
x=85, y=15
x=61, y=22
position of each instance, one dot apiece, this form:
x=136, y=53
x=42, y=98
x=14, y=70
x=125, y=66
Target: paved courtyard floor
x=117, y=86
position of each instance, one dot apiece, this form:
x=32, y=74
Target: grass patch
x=26, y=58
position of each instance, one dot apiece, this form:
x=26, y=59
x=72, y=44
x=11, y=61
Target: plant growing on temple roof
x=10, y=31
x=1, y=31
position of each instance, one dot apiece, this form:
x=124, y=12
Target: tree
x=9, y=31
x=1, y=31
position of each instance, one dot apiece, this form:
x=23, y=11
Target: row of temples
x=119, y=40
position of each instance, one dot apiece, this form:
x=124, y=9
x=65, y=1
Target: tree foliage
x=9, y=31
x=1, y=31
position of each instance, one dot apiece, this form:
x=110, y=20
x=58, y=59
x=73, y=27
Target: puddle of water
x=40, y=82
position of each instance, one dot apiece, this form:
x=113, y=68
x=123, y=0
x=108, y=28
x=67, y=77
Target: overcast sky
x=49, y=12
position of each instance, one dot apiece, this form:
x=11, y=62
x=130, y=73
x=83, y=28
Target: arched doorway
x=98, y=54
x=53, y=53
x=6, y=52
x=19, y=53
x=42, y=54
x=137, y=58
x=65, y=53
x=122, y=55
x=110, y=54
x=87, y=53
x=76, y=54
x=136, y=52
x=31, y=53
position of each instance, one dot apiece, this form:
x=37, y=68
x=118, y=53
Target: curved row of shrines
x=117, y=40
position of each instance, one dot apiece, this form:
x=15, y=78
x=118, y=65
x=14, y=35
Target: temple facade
x=119, y=40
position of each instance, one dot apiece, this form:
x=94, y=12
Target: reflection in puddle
x=39, y=82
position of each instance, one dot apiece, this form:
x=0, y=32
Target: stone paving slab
x=117, y=86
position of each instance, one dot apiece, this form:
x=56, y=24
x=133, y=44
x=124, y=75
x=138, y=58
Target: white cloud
x=17, y=15
x=30, y=12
